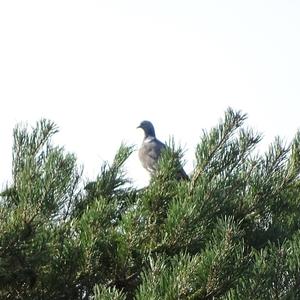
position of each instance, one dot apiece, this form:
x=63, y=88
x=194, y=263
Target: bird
x=151, y=148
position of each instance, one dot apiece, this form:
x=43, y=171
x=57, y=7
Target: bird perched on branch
x=151, y=148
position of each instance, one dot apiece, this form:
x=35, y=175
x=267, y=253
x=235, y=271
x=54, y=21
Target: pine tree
x=231, y=232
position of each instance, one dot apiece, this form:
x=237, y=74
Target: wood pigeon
x=151, y=148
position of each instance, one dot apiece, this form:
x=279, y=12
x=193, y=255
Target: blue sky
x=97, y=68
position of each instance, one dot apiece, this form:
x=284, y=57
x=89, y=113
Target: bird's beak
x=139, y=127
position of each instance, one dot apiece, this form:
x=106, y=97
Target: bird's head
x=148, y=128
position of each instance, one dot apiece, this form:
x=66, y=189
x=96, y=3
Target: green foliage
x=107, y=293
x=200, y=276
x=230, y=232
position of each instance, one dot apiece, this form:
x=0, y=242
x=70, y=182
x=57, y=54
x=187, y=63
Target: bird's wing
x=149, y=153
x=182, y=174
x=155, y=156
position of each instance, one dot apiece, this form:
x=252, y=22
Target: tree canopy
x=230, y=232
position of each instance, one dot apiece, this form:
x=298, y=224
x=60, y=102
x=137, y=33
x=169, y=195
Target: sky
x=98, y=68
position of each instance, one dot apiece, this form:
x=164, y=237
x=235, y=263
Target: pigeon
x=151, y=148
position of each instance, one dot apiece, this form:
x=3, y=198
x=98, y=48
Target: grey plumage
x=151, y=148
